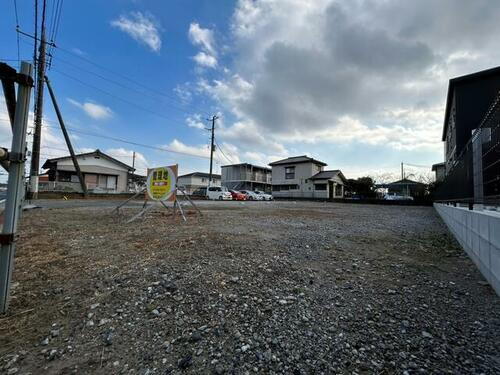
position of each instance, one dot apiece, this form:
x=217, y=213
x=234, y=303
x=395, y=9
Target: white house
x=305, y=177
x=101, y=173
x=196, y=180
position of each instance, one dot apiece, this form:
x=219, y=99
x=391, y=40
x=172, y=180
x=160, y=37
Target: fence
x=474, y=176
x=71, y=187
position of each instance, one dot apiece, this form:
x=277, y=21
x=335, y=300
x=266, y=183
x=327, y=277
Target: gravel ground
x=275, y=288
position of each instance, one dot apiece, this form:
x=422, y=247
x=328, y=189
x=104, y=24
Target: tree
x=362, y=186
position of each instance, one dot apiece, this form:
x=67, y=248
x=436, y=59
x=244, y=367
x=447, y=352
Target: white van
x=219, y=193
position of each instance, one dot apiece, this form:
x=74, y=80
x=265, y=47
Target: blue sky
x=347, y=82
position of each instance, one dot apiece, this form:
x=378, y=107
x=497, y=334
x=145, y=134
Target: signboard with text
x=161, y=183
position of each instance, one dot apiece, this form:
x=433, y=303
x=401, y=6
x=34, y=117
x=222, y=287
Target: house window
x=203, y=179
x=320, y=187
x=289, y=173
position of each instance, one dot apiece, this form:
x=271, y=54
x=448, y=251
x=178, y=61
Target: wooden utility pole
x=212, y=148
x=37, y=135
x=133, y=160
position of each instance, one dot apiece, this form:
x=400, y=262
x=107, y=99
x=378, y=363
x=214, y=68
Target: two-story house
x=305, y=177
x=245, y=176
x=469, y=98
x=196, y=180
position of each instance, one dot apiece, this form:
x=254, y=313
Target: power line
x=126, y=77
x=113, y=95
x=156, y=97
x=17, y=27
x=222, y=152
x=155, y=94
x=164, y=149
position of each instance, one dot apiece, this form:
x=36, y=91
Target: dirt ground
x=279, y=288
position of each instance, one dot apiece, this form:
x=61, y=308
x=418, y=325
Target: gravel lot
x=275, y=288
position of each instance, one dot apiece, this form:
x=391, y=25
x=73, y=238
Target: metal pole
x=66, y=137
x=15, y=187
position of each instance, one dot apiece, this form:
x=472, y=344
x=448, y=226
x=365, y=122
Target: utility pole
x=133, y=160
x=37, y=136
x=212, y=148
x=402, y=172
x=15, y=184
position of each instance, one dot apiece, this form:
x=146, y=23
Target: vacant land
x=284, y=288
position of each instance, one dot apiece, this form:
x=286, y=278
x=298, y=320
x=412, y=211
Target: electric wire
x=223, y=153
x=17, y=28
x=164, y=149
x=156, y=97
x=113, y=95
x=87, y=60
x=152, y=92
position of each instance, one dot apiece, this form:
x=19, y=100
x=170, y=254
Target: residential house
x=246, y=176
x=101, y=172
x=469, y=98
x=440, y=170
x=196, y=180
x=406, y=187
x=305, y=177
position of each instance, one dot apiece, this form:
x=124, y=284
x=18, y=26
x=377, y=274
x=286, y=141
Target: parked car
x=200, y=192
x=395, y=197
x=265, y=196
x=237, y=195
x=251, y=196
x=220, y=193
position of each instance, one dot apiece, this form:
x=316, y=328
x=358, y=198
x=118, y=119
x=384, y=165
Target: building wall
x=303, y=171
x=440, y=173
x=246, y=177
x=194, y=182
x=478, y=232
x=305, y=186
x=86, y=168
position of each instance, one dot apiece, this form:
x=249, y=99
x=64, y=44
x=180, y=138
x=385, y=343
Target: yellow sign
x=161, y=182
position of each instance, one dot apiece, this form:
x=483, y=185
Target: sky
x=358, y=84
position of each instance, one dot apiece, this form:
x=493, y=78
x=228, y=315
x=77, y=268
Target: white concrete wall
x=478, y=232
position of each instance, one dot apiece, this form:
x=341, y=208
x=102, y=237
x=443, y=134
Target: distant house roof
x=438, y=165
x=297, y=160
x=200, y=174
x=246, y=164
x=97, y=153
x=404, y=181
x=460, y=80
x=326, y=175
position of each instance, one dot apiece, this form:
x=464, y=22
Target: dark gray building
x=469, y=98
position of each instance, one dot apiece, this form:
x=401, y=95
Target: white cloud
x=205, y=60
x=203, y=38
x=227, y=153
x=195, y=122
x=142, y=27
x=348, y=73
x=78, y=51
x=126, y=156
x=94, y=110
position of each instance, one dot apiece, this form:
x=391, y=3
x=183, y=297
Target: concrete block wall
x=478, y=232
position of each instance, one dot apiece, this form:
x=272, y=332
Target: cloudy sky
x=359, y=84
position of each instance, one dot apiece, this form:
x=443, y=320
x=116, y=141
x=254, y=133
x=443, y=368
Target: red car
x=237, y=196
